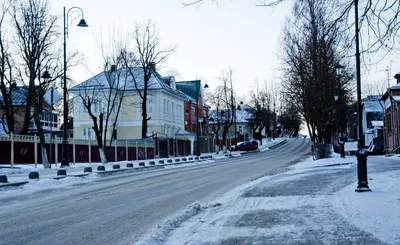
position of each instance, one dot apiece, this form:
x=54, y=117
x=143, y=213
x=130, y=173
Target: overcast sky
x=209, y=38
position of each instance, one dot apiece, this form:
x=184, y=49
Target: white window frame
x=150, y=105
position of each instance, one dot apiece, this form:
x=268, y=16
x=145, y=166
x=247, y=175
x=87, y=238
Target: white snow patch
x=47, y=184
x=159, y=235
x=378, y=211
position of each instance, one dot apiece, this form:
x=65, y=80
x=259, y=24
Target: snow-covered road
x=121, y=209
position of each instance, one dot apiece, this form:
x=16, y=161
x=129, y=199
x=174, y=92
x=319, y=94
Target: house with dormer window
x=164, y=106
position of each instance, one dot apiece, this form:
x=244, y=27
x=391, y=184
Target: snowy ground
x=313, y=203
x=20, y=172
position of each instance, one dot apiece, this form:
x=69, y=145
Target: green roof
x=190, y=88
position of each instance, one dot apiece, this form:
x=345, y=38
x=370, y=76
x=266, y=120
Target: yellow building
x=103, y=93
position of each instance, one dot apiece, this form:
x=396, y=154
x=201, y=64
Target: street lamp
x=82, y=23
x=197, y=118
x=339, y=70
x=361, y=152
x=236, y=131
x=46, y=75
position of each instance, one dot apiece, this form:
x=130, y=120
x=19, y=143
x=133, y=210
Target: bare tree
x=228, y=102
x=145, y=54
x=6, y=78
x=216, y=117
x=310, y=54
x=377, y=88
x=262, y=100
x=102, y=99
x=36, y=36
x=379, y=19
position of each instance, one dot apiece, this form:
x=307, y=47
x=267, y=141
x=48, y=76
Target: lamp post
x=82, y=23
x=274, y=123
x=339, y=71
x=361, y=152
x=197, y=118
x=46, y=75
x=236, y=131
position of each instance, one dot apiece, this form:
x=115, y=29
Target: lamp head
x=339, y=70
x=46, y=75
x=82, y=23
x=206, y=86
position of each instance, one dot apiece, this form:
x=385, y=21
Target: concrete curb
x=141, y=168
x=13, y=184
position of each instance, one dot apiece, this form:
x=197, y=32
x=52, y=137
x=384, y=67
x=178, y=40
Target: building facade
x=390, y=101
x=165, y=106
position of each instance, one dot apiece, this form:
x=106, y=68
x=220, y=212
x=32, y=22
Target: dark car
x=245, y=146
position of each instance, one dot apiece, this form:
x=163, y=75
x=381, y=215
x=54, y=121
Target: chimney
x=397, y=76
x=152, y=66
x=113, y=68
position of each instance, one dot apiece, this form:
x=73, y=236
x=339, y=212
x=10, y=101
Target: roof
x=184, y=133
x=104, y=80
x=18, y=95
x=396, y=98
x=372, y=106
x=377, y=123
x=243, y=115
x=190, y=88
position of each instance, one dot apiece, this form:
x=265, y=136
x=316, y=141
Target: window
x=178, y=113
x=150, y=105
x=173, y=109
x=116, y=105
x=166, y=131
x=84, y=108
x=168, y=107
x=165, y=106
x=388, y=122
x=240, y=129
x=87, y=133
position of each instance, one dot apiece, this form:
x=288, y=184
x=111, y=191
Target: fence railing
x=26, y=149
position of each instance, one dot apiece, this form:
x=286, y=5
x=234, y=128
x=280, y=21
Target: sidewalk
x=20, y=172
x=313, y=203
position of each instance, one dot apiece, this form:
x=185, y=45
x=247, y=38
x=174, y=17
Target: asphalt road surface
x=121, y=209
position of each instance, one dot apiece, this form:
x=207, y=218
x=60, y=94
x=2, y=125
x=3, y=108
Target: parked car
x=245, y=146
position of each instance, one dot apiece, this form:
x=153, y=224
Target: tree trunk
x=144, y=116
x=45, y=160
x=27, y=116
x=103, y=157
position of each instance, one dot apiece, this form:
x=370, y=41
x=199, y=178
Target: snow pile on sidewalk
x=378, y=211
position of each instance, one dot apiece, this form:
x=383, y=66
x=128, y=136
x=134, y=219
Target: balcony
x=49, y=122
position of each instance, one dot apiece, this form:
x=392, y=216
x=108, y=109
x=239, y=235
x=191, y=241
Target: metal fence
x=26, y=149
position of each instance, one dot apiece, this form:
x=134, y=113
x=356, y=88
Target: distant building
x=372, y=118
x=48, y=117
x=391, y=103
x=244, y=123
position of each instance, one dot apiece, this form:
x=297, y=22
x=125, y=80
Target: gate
x=163, y=148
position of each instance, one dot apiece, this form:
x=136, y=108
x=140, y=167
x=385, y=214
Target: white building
x=165, y=105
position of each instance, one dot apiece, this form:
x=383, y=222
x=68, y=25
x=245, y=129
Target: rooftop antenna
x=388, y=74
